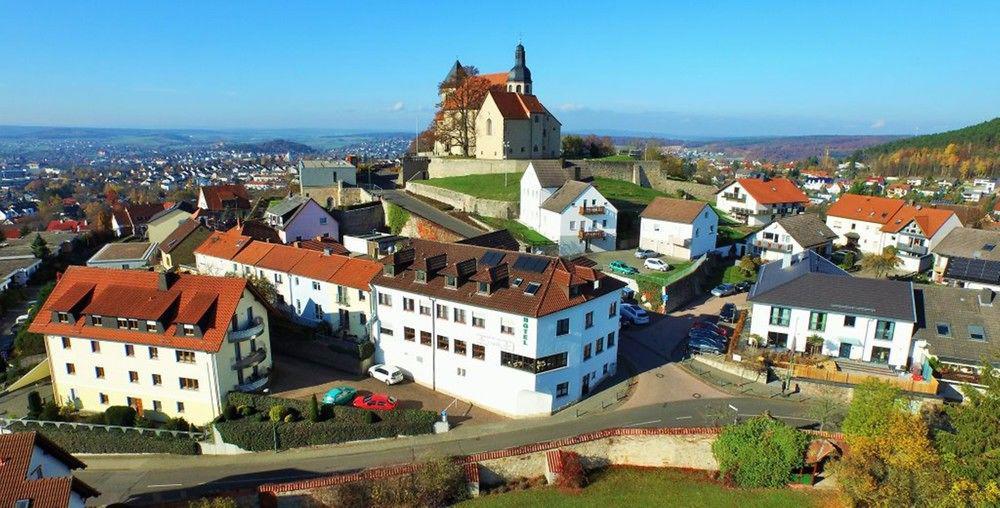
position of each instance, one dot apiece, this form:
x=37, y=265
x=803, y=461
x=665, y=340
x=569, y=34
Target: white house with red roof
x=872, y=223
x=168, y=345
x=761, y=201
x=37, y=473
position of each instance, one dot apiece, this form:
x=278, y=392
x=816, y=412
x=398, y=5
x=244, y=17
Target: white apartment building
x=167, y=345
x=873, y=223
x=792, y=235
x=313, y=286
x=678, y=228
x=760, y=201
x=571, y=213
x=862, y=319
x=518, y=334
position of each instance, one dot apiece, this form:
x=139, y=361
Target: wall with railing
x=4, y=422
x=927, y=387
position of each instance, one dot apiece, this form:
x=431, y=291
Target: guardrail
x=4, y=422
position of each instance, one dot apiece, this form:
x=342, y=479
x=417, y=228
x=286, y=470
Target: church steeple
x=519, y=78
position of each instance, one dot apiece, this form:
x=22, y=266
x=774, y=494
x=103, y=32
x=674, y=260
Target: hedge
x=342, y=423
x=84, y=440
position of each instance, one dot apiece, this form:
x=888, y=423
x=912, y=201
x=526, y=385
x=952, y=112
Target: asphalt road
x=418, y=207
x=156, y=478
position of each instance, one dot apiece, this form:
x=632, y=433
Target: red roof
x=930, y=220
x=67, y=225
x=15, y=459
x=496, y=78
x=773, y=191
x=516, y=106
x=893, y=214
x=136, y=294
x=219, y=197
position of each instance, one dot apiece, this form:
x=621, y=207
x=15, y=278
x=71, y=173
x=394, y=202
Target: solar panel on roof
x=491, y=258
x=978, y=270
x=532, y=264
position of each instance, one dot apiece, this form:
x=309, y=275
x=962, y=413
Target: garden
x=260, y=422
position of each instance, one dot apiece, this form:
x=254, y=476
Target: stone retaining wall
x=442, y=167
x=465, y=202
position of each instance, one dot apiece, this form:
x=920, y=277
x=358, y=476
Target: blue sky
x=682, y=68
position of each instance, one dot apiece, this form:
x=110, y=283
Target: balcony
x=342, y=299
x=254, y=383
x=251, y=359
x=739, y=198
x=591, y=210
x=772, y=246
x=915, y=250
x=255, y=328
x=595, y=234
x=681, y=242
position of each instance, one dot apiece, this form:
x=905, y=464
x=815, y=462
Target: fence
x=929, y=387
x=4, y=422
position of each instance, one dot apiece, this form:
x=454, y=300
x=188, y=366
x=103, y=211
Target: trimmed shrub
x=50, y=411
x=34, y=405
x=760, y=452
x=84, y=440
x=229, y=412
x=123, y=416
x=177, y=424
x=313, y=414
x=277, y=412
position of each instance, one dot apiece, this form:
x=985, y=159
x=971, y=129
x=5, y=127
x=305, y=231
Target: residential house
x=898, y=190
x=69, y=225
x=857, y=318
x=125, y=255
x=313, y=287
x=873, y=223
x=792, y=235
x=160, y=225
x=960, y=328
x=299, y=217
x=17, y=270
x=324, y=180
x=815, y=180
x=678, y=228
x=518, y=334
x=177, y=250
x=968, y=258
x=37, y=473
x=571, y=213
x=221, y=198
x=758, y=202
x=168, y=345
x=131, y=219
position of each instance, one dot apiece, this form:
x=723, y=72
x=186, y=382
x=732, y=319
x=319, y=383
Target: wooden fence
x=929, y=387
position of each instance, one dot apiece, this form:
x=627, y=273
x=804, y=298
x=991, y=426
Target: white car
x=387, y=374
x=23, y=318
x=656, y=264
x=633, y=314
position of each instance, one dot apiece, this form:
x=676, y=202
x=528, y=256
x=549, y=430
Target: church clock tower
x=519, y=78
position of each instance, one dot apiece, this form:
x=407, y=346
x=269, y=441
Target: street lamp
x=736, y=413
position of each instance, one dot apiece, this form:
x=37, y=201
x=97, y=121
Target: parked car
x=728, y=313
x=628, y=295
x=708, y=334
x=711, y=327
x=375, y=401
x=705, y=346
x=633, y=314
x=743, y=286
x=724, y=290
x=645, y=253
x=387, y=374
x=657, y=264
x=339, y=395
x=622, y=268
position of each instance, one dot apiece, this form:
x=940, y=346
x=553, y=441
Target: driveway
x=653, y=349
x=298, y=379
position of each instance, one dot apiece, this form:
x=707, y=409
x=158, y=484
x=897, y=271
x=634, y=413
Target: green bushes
x=335, y=424
x=84, y=440
x=395, y=218
x=123, y=416
x=34, y=405
x=760, y=452
x=433, y=484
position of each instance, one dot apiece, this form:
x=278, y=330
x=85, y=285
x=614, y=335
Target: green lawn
x=655, y=487
x=663, y=278
x=733, y=274
x=620, y=190
x=498, y=186
x=520, y=231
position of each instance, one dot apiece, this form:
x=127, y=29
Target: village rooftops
x=518, y=283
x=970, y=243
x=171, y=300
x=220, y=197
x=683, y=211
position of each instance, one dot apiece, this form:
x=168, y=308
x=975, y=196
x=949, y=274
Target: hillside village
x=490, y=277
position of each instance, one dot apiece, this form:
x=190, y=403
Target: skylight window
x=944, y=329
x=989, y=247
x=977, y=332
x=532, y=288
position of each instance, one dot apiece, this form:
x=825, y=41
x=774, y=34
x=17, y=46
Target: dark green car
x=339, y=396
x=622, y=268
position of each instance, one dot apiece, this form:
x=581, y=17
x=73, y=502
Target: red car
x=375, y=401
x=712, y=327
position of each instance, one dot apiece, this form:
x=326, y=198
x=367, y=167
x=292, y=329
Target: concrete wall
x=442, y=167
x=647, y=174
x=360, y=220
x=419, y=227
x=465, y=202
x=336, y=195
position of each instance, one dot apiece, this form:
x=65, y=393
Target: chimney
x=161, y=281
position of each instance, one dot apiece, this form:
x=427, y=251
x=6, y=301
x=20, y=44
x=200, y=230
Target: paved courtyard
x=603, y=259
x=298, y=379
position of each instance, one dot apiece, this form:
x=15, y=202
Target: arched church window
x=489, y=126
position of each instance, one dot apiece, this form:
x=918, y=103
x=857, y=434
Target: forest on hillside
x=969, y=152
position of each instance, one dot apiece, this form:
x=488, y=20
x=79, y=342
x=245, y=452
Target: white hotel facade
x=517, y=334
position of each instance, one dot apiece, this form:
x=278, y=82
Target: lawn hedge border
x=84, y=440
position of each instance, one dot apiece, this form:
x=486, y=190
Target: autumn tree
x=424, y=141
x=98, y=216
x=111, y=193
x=456, y=118
x=882, y=264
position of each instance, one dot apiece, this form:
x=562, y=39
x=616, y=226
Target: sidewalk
x=738, y=386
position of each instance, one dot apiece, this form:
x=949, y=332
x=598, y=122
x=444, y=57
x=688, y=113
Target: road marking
x=683, y=418
x=643, y=423
x=164, y=485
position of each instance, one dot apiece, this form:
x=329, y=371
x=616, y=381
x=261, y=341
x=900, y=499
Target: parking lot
x=603, y=259
x=298, y=379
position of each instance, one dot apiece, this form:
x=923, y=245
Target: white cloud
x=570, y=107
x=397, y=106
x=878, y=124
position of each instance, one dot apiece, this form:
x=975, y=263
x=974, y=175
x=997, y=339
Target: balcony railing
x=916, y=250
x=254, y=383
x=775, y=246
x=739, y=198
x=255, y=328
x=591, y=210
x=682, y=242
x=251, y=359
x=595, y=234
x=342, y=300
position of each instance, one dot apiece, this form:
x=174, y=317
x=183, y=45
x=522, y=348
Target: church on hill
x=508, y=122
